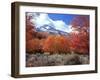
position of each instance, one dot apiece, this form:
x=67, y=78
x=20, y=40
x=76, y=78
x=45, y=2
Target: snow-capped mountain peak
x=44, y=23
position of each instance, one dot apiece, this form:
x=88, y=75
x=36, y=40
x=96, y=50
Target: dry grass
x=36, y=60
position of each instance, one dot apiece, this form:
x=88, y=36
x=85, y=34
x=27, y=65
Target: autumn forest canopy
x=45, y=38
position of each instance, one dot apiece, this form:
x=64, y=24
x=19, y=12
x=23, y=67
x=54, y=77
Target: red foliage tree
x=30, y=28
x=34, y=39
x=41, y=35
x=80, y=21
x=30, y=32
x=80, y=41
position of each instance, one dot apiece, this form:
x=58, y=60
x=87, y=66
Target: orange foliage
x=33, y=45
x=28, y=36
x=56, y=44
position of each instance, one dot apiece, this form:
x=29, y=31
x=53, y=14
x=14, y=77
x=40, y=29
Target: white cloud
x=44, y=19
x=41, y=20
x=60, y=25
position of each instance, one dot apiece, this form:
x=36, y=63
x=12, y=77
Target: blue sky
x=67, y=18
